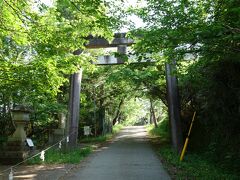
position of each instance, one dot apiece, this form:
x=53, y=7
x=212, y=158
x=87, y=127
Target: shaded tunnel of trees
x=202, y=36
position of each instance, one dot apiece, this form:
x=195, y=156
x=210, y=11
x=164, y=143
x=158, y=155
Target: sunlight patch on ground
x=28, y=176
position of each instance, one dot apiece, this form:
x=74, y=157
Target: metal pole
x=173, y=106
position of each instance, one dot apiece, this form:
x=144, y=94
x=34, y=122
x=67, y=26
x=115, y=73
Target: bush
x=212, y=89
x=162, y=131
x=194, y=165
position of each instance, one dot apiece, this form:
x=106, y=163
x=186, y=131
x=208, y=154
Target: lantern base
x=14, y=152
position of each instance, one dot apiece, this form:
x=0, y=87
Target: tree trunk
x=150, y=117
x=101, y=113
x=153, y=114
x=116, y=118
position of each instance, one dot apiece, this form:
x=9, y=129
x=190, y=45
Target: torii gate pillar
x=173, y=106
x=74, y=107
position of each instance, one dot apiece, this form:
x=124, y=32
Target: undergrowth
x=73, y=156
x=61, y=156
x=194, y=166
x=117, y=128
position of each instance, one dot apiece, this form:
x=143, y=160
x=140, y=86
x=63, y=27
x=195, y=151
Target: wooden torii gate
x=121, y=42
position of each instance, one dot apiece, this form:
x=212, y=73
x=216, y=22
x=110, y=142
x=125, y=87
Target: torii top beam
x=120, y=39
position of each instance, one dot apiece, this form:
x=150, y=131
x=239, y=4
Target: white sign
x=29, y=142
x=87, y=130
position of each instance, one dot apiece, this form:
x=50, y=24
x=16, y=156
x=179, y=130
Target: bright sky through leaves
x=128, y=3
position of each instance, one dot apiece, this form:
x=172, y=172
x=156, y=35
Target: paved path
x=128, y=157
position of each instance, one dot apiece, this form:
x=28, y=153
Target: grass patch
x=97, y=139
x=117, y=128
x=161, y=132
x=59, y=156
x=194, y=165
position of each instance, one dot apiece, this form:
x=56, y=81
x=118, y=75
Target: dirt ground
x=40, y=172
x=46, y=172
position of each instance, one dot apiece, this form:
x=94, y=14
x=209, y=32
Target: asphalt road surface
x=128, y=157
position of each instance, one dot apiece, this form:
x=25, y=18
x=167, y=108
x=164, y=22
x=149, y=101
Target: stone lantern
x=20, y=116
x=16, y=150
x=58, y=134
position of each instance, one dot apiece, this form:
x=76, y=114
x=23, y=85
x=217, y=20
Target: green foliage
x=97, y=139
x=212, y=89
x=194, y=166
x=200, y=27
x=56, y=156
x=41, y=64
x=134, y=110
x=122, y=83
x=162, y=131
x=36, y=58
x=117, y=128
x=206, y=33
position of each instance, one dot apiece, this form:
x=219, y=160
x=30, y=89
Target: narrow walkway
x=129, y=157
